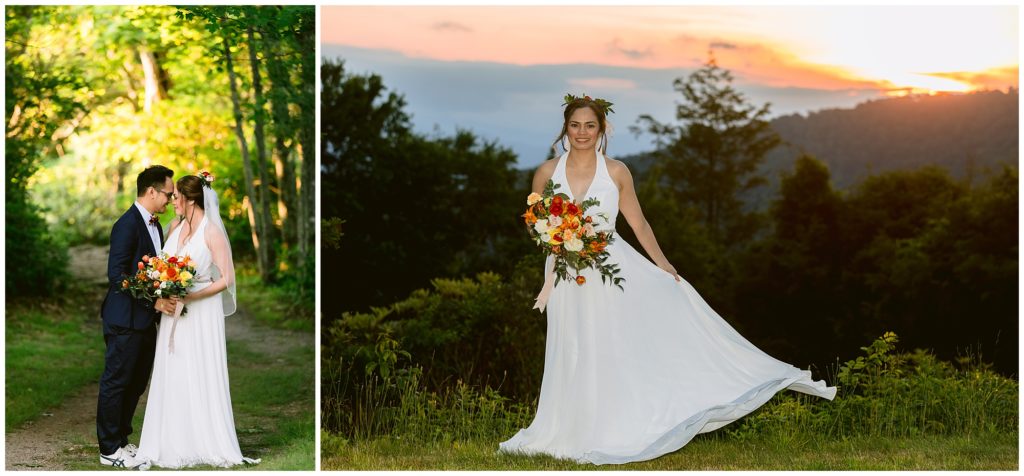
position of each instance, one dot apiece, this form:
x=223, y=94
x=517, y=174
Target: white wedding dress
x=188, y=418
x=632, y=375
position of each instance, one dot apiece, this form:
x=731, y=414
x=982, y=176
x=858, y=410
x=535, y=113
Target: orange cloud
x=758, y=63
x=993, y=78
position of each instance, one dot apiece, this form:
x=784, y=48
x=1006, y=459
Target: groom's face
x=161, y=196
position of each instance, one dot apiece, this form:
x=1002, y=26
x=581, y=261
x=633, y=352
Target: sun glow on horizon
x=932, y=49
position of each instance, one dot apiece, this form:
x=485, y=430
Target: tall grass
x=402, y=409
x=398, y=404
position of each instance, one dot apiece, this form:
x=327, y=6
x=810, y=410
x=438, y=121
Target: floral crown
x=601, y=103
x=206, y=177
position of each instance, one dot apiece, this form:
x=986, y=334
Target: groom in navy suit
x=129, y=324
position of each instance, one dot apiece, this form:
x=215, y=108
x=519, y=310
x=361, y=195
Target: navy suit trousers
x=129, y=362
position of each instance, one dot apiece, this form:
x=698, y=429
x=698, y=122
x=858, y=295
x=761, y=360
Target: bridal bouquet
x=562, y=228
x=161, y=277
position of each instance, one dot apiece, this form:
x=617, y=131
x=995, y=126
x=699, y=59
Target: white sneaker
x=131, y=449
x=120, y=459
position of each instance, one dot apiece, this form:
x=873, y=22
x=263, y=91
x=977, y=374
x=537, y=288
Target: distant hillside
x=953, y=131
x=957, y=132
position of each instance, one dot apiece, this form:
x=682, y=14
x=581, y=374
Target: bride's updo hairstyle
x=191, y=187
x=600, y=108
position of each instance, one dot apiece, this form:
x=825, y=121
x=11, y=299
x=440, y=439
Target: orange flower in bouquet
x=161, y=277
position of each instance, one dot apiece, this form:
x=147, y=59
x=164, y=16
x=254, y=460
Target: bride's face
x=179, y=202
x=583, y=129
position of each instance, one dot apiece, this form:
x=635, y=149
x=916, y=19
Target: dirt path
x=42, y=444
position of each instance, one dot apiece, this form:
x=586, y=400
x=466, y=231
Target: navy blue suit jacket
x=129, y=240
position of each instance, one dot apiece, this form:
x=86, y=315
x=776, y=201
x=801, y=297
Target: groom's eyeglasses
x=170, y=195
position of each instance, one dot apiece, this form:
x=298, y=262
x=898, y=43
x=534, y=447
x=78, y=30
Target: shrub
x=36, y=263
x=890, y=394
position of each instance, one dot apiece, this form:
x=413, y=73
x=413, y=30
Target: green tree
x=711, y=158
x=265, y=54
x=41, y=96
x=414, y=208
x=935, y=259
x=916, y=252
x=789, y=294
x=358, y=121
x=97, y=153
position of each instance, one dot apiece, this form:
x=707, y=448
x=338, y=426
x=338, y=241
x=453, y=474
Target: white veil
x=220, y=247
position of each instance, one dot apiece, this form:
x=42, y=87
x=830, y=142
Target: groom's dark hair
x=154, y=176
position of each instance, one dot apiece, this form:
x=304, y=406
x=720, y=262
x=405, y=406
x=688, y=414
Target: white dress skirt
x=188, y=417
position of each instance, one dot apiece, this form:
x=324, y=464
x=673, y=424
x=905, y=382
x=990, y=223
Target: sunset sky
x=799, y=58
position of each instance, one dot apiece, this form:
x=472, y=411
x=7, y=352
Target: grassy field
x=52, y=350
x=705, y=452
x=276, y=307
x=54, y=354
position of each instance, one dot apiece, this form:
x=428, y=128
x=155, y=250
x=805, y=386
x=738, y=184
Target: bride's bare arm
x=543, y=174
x=629, y=206
x=221, y=258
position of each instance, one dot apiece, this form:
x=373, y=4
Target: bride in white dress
x=188, y=417
x=633, y=374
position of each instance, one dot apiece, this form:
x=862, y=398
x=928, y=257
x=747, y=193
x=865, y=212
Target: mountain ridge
x=963, y=133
